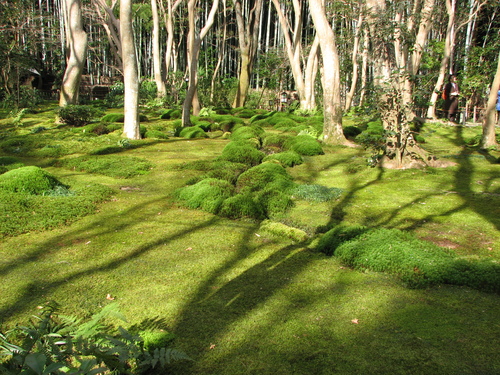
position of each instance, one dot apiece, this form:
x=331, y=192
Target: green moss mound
x=113, y=117
x=286, y=158
x=242, y=152
x=171, y=114
x=30, y=180
x=304, y=145
x=416, y=262
x=192, y=132
x=241, y=206
x=156, y=339
x=282, y=230
x=260, y=176
x=109, y=165
x=274, y=201
x=220, y=169
x=207, y=194
x=156, y=134
x=247, y=133
x=274, y=141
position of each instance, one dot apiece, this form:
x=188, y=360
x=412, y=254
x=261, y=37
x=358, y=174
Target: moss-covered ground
x=241, y=301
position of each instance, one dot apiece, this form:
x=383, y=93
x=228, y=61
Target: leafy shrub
x=316, y=193
x=372, y=136
x=239, y=206
x=191, y=132
x=30, y=180
x=113, y=117
x=78, y=115
x=115, y=96
x=242, y=152
x=109, y=165
x=56, y=344
x=207, y=194
x=304, y=145
x=286, y=158
x=282, y=230
x=258, y=177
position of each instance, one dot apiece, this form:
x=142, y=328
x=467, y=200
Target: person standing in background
x=451, y=94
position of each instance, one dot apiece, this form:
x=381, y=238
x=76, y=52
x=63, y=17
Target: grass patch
x=109, y=165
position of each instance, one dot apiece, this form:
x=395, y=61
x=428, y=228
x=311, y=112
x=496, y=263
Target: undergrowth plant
x=56, y=344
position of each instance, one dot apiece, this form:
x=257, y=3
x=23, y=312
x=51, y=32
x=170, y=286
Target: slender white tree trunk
x=160, y=83
x=489, y=138
x=130, y=72
x=76, y=52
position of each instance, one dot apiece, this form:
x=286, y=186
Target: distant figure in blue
x=498, y=106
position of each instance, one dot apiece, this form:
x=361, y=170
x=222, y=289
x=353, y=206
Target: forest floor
x=241, y=301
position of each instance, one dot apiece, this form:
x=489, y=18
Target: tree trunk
x=354, y=78
x=332, y=128
x=160, y=83
x=76, y=51
x=248, y=35
x=489, y=138
x=130, y=72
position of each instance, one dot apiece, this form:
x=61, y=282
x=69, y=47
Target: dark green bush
x=286, y=158
x=207, y=194
x=351, y=131
x=78, y=115
x=316, y=193
x=109, y=165
x=240, y=206
x=304, y=145
x=242, y=152
x=30, y=180
x=191, y=132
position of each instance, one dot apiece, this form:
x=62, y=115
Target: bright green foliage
x=113, y=117
x=207, y=194
x=304, y=145
x=286, y=158
x=241, y=205
x=30, y=180
x=78, y=115
x=242, y=152
x=56, y=344
x=156, y=338
x=191, y=132
x=109, y=165
x=316, y=193
x=257, y=178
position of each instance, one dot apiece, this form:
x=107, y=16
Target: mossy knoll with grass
x=260, y=249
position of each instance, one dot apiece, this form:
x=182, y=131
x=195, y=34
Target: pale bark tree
x=193, y=50
x=76, y=51
x=330, y=75
x=355, y=50
x=248, y=36
x=489, y=138
x=130, y=72
x=106, y=15
x=303, y=76
x=158, y=77
x=221, y=51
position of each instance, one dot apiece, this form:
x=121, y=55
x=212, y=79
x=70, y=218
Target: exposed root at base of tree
x=414, y=157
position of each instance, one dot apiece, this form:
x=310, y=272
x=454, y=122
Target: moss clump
x=242, y=152
x=258, y=177
x=274, y=201
x=332, y=239
x=207, y=194
x=241, y=205
x=109, y=165
x=274, y=141
x=304, y=145
x=247, y=133
x=156, y=134
x=30, y=180
x=286, y=158
x=171, y=114
x=282, y=230
x=192, y=132
x=222, y=170
x=113, y=117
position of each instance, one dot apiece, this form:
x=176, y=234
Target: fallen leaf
x=355, y=321
x=108, y=296
x=189, y=248
x=86, y=243
x=212, y=346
